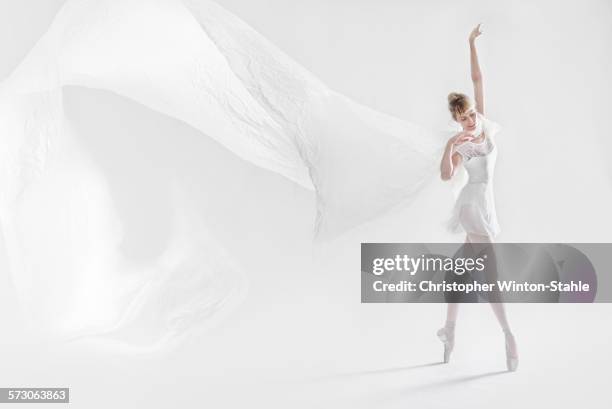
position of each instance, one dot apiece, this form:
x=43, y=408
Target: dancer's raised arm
x=475, y=69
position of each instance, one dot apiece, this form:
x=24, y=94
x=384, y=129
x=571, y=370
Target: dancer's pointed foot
x=512, y=358
x=446, y=334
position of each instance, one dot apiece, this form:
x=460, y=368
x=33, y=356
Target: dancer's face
x=469, y=120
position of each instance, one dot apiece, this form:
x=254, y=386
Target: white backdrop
x=546, y=68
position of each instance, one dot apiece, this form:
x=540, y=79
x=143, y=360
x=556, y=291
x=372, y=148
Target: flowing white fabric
x=194, y=62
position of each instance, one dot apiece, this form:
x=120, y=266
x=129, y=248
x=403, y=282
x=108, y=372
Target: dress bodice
x=479, y=159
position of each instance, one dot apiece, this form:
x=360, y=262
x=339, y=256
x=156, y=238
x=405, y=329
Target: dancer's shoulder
x=490, y=128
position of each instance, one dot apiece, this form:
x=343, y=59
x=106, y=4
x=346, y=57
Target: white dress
x=474, y=210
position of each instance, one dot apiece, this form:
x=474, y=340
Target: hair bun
x=454, y=97
x=458, y=103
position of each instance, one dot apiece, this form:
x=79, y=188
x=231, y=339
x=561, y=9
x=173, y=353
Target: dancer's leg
x=451, y=313
x=447, y=333
x=452, y=309
x=498, y=308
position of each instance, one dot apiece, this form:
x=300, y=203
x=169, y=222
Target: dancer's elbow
x=445, y=176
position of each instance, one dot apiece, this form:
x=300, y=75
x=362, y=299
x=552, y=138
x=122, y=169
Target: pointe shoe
x=511, y=356
x=448, y=339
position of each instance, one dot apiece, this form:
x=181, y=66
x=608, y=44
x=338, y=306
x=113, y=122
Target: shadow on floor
x=455, y=381
x=374, y=371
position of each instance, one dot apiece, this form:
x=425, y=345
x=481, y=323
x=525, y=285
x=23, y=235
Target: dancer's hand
x=460, y=138
x=475, y=33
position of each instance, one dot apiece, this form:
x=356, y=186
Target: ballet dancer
x=474, y=211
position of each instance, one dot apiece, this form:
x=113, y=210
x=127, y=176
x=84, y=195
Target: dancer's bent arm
x=451, y=160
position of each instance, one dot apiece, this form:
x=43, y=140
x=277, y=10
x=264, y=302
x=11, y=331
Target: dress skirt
x=474, y=211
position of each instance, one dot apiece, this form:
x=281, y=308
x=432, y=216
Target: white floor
x=315, y=345
x=302, y=339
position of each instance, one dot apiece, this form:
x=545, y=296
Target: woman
x=474, y=211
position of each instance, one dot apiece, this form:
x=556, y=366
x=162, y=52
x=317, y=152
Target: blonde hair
x=458, y=103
